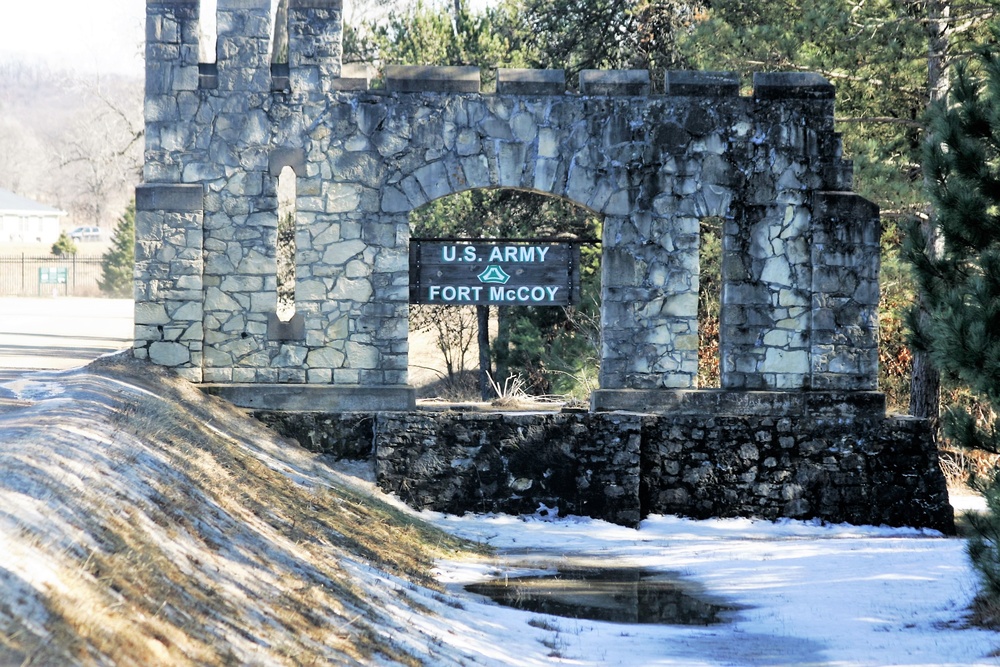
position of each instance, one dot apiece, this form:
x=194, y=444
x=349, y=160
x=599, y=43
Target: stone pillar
x=649, y=312
x=244, y=46
x=766, y=299
x=767, y=247
x=845, y=292
x=169, y=277
x=240, y=207
x=315, y=48
x=171, y=100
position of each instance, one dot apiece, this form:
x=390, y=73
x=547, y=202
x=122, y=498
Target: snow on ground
x=808, y=594
x=804, y=593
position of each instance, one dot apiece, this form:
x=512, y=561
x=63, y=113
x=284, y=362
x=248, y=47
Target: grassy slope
x=144, y=523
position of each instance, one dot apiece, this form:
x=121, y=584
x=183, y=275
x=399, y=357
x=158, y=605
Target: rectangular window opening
x=709, y=302
x=285, y=244
x=208, y=36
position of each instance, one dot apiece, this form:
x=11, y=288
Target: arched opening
x=285, y=244
x=525, y=350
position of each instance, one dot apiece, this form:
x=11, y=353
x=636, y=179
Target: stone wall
x=837, y=461
x=868, y=471
x=798, y=429
x=800, y=265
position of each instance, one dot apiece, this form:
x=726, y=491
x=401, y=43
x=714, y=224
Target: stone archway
x=799, y=251
x=485, y=339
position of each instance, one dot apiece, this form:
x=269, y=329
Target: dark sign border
x=482, y=282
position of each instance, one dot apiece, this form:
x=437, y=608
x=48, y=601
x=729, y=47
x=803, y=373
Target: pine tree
x=960, y=282
x=118, y=263
x=63, y=246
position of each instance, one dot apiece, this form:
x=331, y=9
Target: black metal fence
x=26, y=275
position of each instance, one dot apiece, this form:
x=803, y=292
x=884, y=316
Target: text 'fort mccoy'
x=491, y=273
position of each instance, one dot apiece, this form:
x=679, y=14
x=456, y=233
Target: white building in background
x=23, y=220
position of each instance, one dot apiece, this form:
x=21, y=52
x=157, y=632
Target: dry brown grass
x=960, y=466
x=187, y=534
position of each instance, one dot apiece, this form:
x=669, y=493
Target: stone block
x=333, y=5
x=151, y=314
x=791, y=85
x=293, y=329
x=169, y=354
x=426, y=79
x=777, y=360
x=627, y=82
x=236, y=5
x=679, y=83
x=208, y=76
x=280, y=158
x=353, y=77
x=280, y=77
x=315, y=398
x=531, y=81
x=187, y=79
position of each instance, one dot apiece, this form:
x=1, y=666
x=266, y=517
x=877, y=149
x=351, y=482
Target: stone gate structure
x=801, y=251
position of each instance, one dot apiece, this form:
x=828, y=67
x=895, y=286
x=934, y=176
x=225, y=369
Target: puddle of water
x=619, y=595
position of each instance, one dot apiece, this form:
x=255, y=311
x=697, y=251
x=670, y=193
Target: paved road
x=59, y=333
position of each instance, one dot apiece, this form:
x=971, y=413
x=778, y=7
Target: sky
x=100, y=36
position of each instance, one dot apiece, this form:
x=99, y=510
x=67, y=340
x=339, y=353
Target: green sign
x=480, y=273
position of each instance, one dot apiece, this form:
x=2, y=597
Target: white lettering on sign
x=449, y=253
x=455, y=294
x=467, y=272
x=525, y=294
x=524, y=254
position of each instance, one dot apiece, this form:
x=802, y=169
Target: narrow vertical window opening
x=709, y=303
x=280, y=73
x=208, y=35
x=285, y=251
x=279, y=33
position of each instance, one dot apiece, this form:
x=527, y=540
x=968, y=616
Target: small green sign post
x=53, y=276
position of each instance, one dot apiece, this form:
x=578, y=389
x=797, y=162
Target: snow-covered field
x=809, y=594
x=199, y=496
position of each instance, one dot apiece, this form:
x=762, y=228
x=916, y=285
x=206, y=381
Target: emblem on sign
x=494, y=275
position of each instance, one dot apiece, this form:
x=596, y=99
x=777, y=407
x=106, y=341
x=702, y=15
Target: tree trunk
x=454, y=17
x=483, y=321
x=925, y=380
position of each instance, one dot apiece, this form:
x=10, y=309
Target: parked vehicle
x=86, y=234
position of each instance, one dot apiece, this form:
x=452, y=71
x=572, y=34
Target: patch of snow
x=808, y=593
x=966, y=500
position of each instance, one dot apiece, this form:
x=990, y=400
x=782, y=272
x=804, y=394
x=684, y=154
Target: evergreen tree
x=962, y=286
x=63, y=246
x=960, y=281
x=427, y=34
x=609, y=34
x=118, y=263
